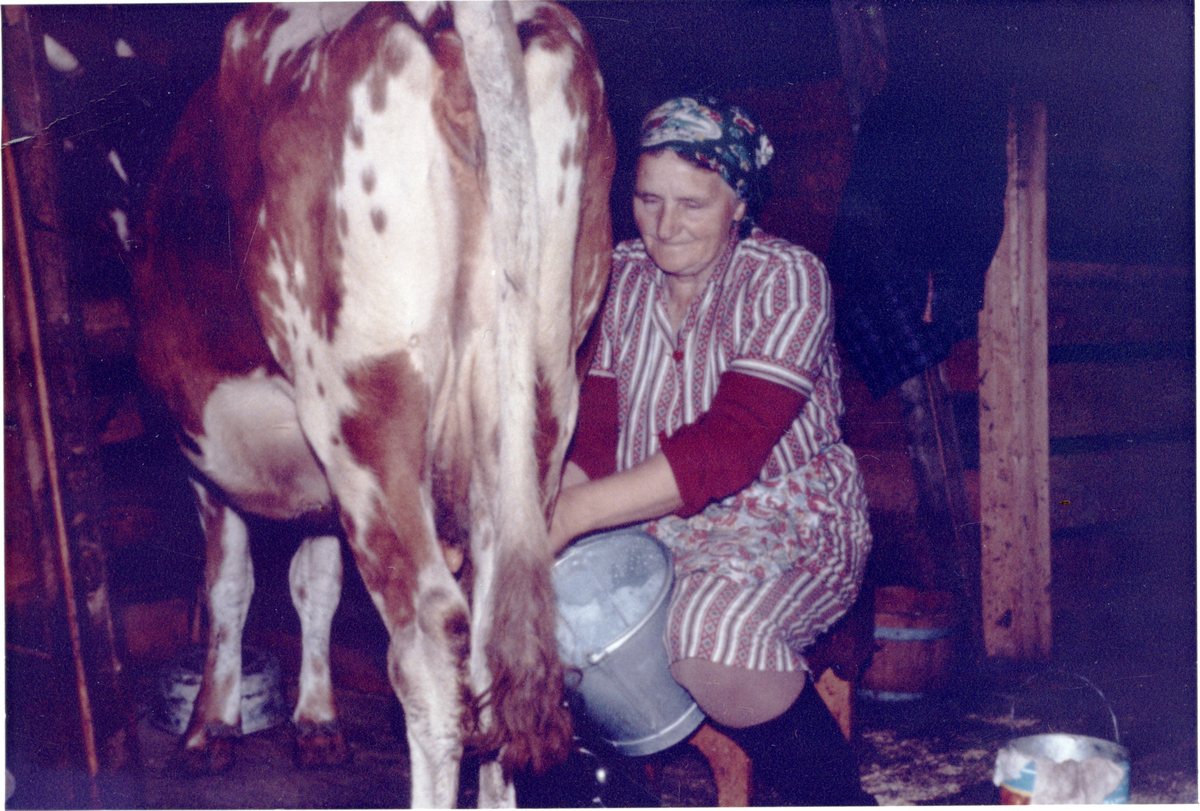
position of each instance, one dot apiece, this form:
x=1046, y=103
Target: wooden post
x=1013, y=405
x=64, y=434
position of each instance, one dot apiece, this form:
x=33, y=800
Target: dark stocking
x=802, y=756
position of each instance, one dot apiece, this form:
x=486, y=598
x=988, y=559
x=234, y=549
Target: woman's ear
x=739, y=211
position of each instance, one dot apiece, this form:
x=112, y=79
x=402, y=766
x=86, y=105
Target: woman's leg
x=789, y=735
x=736, y=697
x=715, y=632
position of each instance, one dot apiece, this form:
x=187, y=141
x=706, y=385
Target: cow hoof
x=215, y=758
x=320, y=745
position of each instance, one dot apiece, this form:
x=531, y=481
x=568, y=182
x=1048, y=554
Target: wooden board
x=1098, y=399
x=1139, y=482
x=729, y=764
x=810, y=128
x=1090, y=304
x=1013, y=420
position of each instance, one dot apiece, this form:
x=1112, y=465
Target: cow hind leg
x=428, y=667
x=229, y=576
x=315, y=578
x=428, y=626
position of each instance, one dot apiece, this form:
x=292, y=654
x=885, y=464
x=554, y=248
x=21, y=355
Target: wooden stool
x=839, y=657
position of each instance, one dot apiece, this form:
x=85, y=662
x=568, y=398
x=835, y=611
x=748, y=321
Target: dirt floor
x=936, y=752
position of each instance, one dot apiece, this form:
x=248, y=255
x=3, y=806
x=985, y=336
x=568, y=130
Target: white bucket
x=612, y=592
x=262, y=703
x=1058, y=768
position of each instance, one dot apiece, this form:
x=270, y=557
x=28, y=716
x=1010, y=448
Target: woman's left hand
x=561, y=532
x=637, y=494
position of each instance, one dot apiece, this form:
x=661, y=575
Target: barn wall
x=1122, y=445
x=1121, y=407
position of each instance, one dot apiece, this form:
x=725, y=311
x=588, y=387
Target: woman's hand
x=562, y=530
x=637, y=494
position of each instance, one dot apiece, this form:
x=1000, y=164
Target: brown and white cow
x=378, y=241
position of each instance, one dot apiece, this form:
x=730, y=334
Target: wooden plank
x=1111, y=566
x=871, y=425
x=810, y=127
x=107, y=722
x=952, y=559
x=1118, y=398
x=1013, y=419
x=838, y=695
x=729, y=764
x=962, y=367
x=1090, y=303
x=1140, y=483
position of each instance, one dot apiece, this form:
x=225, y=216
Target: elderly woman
x=710, y=418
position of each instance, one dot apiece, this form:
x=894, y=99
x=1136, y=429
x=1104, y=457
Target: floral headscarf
x=714, y=135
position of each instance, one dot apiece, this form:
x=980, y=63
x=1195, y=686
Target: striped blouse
x=766, y=311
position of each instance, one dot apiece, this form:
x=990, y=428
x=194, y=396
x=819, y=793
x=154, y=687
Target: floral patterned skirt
x=763, y=572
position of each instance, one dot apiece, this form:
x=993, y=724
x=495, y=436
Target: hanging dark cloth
x=922, y=211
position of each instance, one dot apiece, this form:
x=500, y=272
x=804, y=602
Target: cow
x=377, y=242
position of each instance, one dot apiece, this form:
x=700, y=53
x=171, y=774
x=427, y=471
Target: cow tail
x=523, y=716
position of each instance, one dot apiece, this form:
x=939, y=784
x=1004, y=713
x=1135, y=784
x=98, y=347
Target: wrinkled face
x=683, y=212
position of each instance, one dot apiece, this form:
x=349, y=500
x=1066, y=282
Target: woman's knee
x=735, y=696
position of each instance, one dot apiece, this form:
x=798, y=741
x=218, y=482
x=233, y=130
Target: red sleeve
x=725, y=450
x=594, y=447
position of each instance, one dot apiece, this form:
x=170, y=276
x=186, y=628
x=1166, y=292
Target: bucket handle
x=1012, y=709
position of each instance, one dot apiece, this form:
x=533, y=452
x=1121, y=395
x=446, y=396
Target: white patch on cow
x=306, y=22
x=322, y=396
x=560, y=179
x=115, y=160
x=252, y=437
x=300, y=279
x=229, y=594
x=121, y=223
x=524, y=10
x=433, y=703
x=559, y=186
x=123, y=49
x=236, y=39
x=97, y=601
x=422, y=10
x=59, y=57
x=405, y=225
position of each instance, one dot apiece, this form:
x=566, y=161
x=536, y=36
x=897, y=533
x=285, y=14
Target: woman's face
x=684, y=213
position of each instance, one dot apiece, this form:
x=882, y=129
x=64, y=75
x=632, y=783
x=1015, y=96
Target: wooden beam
x=1013, y=408
x=730, y=766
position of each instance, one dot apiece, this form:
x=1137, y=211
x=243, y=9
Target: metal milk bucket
x=1058, y=768
x=612, y=592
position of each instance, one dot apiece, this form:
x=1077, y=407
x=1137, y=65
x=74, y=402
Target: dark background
x=1117, y=79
